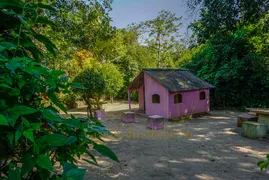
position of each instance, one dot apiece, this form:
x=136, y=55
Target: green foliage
x=69, y=100
x=80, y=26
x=93, y=88
x=220, y=17
x=234, y=53
x=34, y=137
x=163, y=33
x=112, y=77
x=240, y=76
x=264, y=164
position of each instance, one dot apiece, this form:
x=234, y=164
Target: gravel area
x=206, y=147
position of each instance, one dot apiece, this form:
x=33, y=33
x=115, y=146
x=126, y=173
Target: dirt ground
x=208, y=147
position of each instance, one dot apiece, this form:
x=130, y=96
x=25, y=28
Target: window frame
x=176, y=100
x=155, y=99
x=202, y=95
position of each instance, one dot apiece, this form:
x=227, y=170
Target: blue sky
x=133, y=11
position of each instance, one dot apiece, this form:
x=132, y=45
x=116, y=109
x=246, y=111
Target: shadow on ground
x=208, y=147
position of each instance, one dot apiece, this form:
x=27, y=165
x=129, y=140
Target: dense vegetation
x=228, y=47
x=36, y=142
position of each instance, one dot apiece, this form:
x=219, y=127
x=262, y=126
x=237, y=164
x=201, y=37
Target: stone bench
x=155, y=122
x=254, y=130
x=128, y=117
x=244, y=118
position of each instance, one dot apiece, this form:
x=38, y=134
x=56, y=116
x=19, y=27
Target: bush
x=69, y=100
x=93, y=89
x=34, y=137
x=112, y=77
x=264, y=164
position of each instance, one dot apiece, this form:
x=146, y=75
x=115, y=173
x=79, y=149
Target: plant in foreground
x=35, y=139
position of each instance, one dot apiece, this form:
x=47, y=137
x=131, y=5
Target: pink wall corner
x=153, y=87
x=141, y=97
x=191, y=103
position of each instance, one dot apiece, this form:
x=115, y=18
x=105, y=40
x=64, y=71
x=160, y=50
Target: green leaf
x=264, y=165
x=14, y=92
x=14, y=172
x=29, y=135
x=10, y=4
x=2, y=48
x=45, y=174
x=44, y=20
x=75, y=85
x=27, y=164
x=76, y=174
x=45, y=6
x=56, y=139
x=72, y=122
x=54, y=99
x=92, y=156
x=21, y=83
x=67, y=167
x=10, y=137
x=35, y=126
x=17, y=111
x=35, y=149
x=91, y=162
x=4, y=85
x=51, y=115
x=51, y=83
x=18, y=135
x=49, y=45
x=3, y=120
x=105, y=151
x=23, y=22
x=25, y=122
x=260, y=162
x=72, y=139
x=43, y=161
x=8, y=45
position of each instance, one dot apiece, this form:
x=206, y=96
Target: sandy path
x=213, y=149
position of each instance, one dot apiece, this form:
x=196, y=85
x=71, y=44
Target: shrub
x=264, y=164
x=112, y=77
x=34, y=137
x=69, y=100
x=93, y=88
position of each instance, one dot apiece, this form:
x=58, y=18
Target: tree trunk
x=159, y=49
x=111, y=99
x=89, y=109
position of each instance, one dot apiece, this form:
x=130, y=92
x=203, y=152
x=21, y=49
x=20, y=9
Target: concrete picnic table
x=263, y=115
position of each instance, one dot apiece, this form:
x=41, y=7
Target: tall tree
x=218, y=17
x=162, y=32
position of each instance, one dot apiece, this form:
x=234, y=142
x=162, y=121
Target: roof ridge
x=165, y=69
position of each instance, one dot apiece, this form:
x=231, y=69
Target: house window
x=177, y=99
x=155, y=99
x=202, y=95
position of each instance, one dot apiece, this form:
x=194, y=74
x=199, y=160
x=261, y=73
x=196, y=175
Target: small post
x=129, y=100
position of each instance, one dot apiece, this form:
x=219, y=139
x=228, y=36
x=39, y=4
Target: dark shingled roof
x=176, y=80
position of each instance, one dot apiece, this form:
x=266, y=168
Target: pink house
x=170, y=93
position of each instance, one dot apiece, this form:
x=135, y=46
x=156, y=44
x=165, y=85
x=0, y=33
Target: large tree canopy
x=232, y=51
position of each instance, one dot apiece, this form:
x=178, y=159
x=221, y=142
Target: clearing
x=207, y=147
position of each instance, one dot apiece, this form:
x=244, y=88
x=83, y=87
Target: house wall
x=153, y=87
x=141, y=97
x=191, y=103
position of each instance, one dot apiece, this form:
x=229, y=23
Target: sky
x=125, y=12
